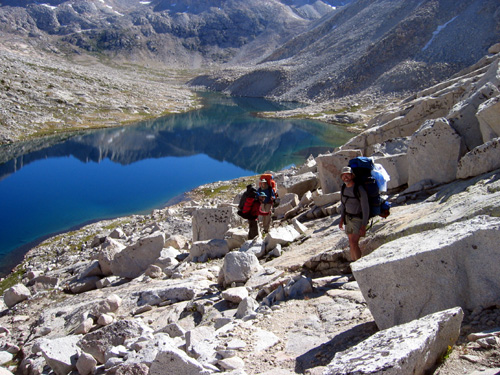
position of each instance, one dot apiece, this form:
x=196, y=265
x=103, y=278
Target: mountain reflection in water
x=224, y=140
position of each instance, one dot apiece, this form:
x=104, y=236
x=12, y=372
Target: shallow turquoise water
x=116, y=172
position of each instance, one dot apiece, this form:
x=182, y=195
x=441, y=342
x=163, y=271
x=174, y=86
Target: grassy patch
x=51, y=130
x=11, y=280
x=224, y=192
x=212, y=193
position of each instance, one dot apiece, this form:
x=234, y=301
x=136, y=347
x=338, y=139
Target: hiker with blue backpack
x=361, y=200
x=354, y=211
x=270, y=195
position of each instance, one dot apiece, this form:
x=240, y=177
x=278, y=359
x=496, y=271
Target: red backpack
x=270, y=181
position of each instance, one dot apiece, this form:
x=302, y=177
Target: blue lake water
x=52, y=185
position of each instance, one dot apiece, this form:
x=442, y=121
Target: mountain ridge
x=172, y=32
x=402, y=47
x=310, y=52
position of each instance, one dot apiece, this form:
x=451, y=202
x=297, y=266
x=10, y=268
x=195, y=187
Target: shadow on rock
x=323, y=354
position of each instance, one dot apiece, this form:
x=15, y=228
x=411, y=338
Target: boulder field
x=183, y=291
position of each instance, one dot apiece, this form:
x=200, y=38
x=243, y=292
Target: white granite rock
x=174, y=330
x=5, y=357
x=434, y=152
x=246, y=307
x=255, y=246
x=135, y=259
x=235, y=295
x=16, y=294
x=105, y=320
x=411, y=348
x=463, y=115
x=282, y=236
x=488, y=115
x=201, y=343
x=173, y=290
x=235, y=237
x=238, y=267
x=109, y=249
x=97, y=343
x=432, y=271
x=84, y=327
x=61, y=354
x=213, y=223
x=482, y=159
x=329, y=167
x=86, y=364
x=231, y=363
x=209, y=249
x=326, y=199
x=177, y=362
x=177, y=241
x=299, y=184
x=110, y=304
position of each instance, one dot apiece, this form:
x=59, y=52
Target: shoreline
x=16, y=256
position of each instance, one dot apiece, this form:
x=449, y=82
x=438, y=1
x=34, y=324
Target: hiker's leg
x=266, y=220
x=354, y=246
x=253, y=229
x=352, y=228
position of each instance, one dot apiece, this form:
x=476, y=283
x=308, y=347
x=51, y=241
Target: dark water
x=54, y=184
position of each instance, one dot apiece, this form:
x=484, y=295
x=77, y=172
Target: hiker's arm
x=263, y=213
x=365, y=207
x=342, y=216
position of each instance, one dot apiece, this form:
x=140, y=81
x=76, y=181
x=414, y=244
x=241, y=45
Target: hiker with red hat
x=270, y=195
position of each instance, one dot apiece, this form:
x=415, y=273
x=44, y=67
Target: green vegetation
x=115, y=224
x=212, y=193
x=447, y=353
x=229, y=189
x=319, y=116
x=13, y=279
x=51, y=130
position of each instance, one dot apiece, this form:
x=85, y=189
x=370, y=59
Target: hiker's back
x=246, y=201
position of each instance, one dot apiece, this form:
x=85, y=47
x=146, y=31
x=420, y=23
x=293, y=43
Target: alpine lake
x=58, y=183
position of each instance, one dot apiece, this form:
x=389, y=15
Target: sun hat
x=346, y=170
x=262, y=194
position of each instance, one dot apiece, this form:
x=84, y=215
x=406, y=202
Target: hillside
x=183, y=290
x=171, y=33
x=368, y=47
x=78, y=65
x=83, y=61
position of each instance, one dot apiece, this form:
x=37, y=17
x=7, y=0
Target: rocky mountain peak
x=375, y=46
x=171, y=32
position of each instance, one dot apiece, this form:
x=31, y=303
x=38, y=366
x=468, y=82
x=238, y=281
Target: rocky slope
x=42, y=93
x=180, y=33
x=181, y=290
x=362, y=51
x=71, y=66
x=370, y=46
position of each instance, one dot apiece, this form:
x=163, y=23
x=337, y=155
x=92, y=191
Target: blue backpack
x=362, y=168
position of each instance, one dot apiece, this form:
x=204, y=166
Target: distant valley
x=124, y=60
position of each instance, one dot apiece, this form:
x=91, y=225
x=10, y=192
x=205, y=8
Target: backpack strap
x=356, y=192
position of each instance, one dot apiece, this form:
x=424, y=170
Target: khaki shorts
x=353, y=224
